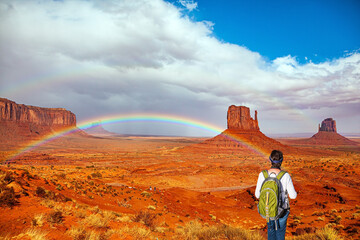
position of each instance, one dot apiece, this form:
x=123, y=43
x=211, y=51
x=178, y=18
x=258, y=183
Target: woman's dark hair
x=277, y=156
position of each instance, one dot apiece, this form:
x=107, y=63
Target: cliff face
x=238, y=118
x=19, y=113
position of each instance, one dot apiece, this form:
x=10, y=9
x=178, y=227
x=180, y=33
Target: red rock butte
x=238, y=118
x=328, y=125
x=327, y=135
x=243, y=134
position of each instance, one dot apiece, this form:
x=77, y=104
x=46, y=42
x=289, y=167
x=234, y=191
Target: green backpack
x=270, y=204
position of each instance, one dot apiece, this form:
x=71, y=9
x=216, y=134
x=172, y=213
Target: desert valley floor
x=83, y=187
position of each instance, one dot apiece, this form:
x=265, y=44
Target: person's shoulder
x=261, y=174
x=286, y=174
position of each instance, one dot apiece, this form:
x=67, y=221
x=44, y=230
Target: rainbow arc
x=178, y=120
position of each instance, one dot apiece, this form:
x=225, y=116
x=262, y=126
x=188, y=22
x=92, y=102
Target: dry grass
x=124, y=218
x=326, y=233
x=80, y=233
x=135, y=232
x=38, y=220
x=34, y=234
x=97, y=221
x=195, y=230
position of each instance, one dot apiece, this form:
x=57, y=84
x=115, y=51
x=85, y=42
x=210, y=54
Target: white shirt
x=286, y=184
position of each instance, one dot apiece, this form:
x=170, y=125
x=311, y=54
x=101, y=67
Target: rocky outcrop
x=238, y=118
x=328, y=125
x=19, y=113
x=242, y=136
x=327, y=135
x=21, y=123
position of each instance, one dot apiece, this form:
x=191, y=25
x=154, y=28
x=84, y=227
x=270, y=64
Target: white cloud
x=125, y=56
x=189, y=4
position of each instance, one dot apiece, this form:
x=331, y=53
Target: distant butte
x=238, y=118
x=327, y=135
x=328, y=125
x=242, y=134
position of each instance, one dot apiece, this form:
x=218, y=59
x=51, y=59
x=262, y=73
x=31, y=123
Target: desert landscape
x=153, y=119
x=94, y=184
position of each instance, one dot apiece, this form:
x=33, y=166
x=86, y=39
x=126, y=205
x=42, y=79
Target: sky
x=295, y=62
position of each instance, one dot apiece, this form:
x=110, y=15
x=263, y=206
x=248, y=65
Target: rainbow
x=132, y=118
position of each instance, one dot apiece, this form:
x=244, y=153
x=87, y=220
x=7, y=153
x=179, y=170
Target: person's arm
x=290, y=188
x=261, y=178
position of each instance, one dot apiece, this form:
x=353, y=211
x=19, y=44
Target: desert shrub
x=38, y=220
x=61, y=176
x=80, y=233
x=326, y=233
x=151, y=207
x=316, y=213
x=96, y=175
x=55, y=217
x=337, y=219
x=146, y=194
x=40, y=192
x=7, y=196
x=8, y=178
x=26, y=174
x=81, y=213
x=147, y=218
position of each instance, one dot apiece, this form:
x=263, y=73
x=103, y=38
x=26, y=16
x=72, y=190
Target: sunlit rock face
x=328, y=125
x=22, y=123
x=238, y=118
x=20, y=113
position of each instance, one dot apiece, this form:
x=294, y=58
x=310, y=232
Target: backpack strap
x=265, y=173
x=280, y=175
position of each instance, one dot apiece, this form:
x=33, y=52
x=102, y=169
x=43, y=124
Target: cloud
x=101, y=57
x=189, y=4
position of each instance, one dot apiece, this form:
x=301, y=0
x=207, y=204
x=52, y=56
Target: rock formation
x=11, y=111
x=327, y=135
x=328, y=125
x=242, y=135
x=238, y=118
x=21, y=123
x=97, y=130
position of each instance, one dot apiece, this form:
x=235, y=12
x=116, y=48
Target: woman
x=277, y=229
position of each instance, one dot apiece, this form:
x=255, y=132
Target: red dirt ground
x=110, y=178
